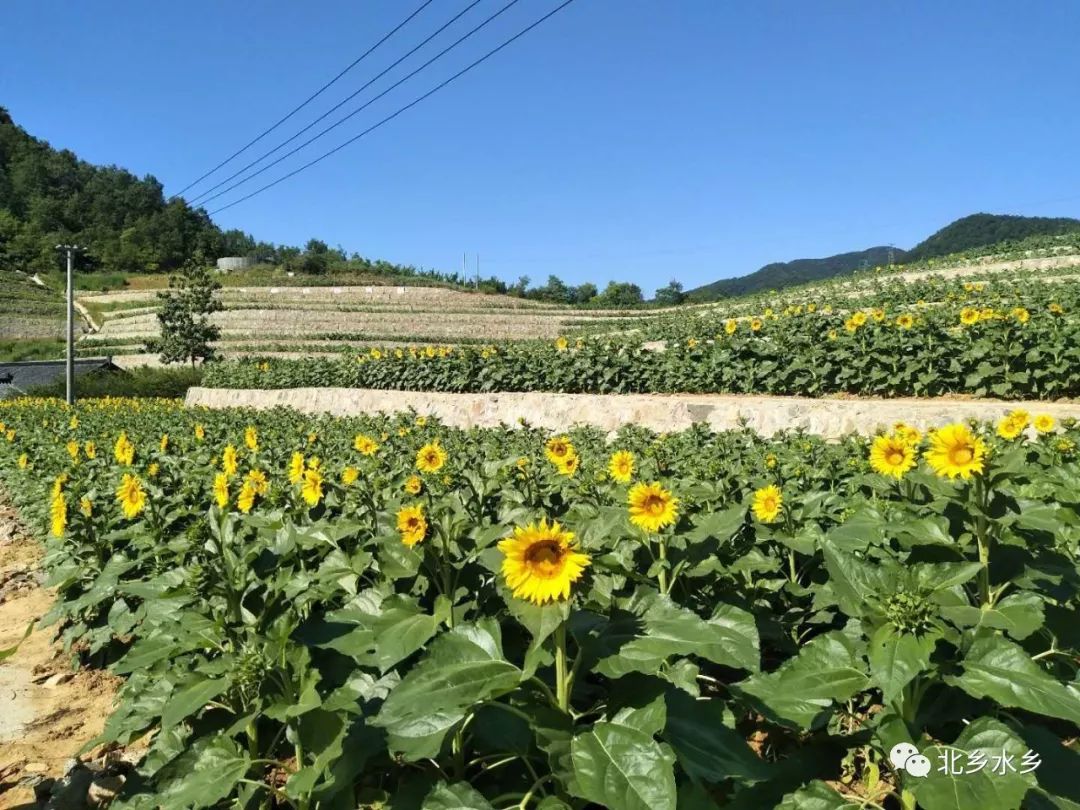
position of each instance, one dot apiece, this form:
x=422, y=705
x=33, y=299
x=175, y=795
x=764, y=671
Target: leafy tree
x=584, y=293
x=620, y=294
x=671, y=294
x=186, y=330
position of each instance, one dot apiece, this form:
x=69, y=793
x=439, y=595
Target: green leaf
x=854, y=580
x=827, y=669
x=896, y=658
x=622, y=768
x=706, y=748
x=463, y=667
x=456, y=796
x=206, y=773
x=1018, y=614
x=998, y=669
x=983, y=789
x=191, y=696
x=321, y=733
x=815, y=796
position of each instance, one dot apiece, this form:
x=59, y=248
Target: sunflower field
x=383, y=612
x=1011, y=340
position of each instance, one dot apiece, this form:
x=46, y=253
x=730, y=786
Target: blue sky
x=641, y=140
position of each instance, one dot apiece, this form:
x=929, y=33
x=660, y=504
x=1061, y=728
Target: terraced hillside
x=32, y=318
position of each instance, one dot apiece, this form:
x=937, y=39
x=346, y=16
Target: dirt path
x=47, y=709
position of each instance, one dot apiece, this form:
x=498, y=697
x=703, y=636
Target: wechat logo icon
x=906, y=757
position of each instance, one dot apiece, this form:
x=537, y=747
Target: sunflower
x=200, y=433
x=569, y=465
x=131, y=496
x=541, y=562
x=296, y=467
x=412, y=524
x=430, y=458
x=221, y=489
x=621, y=466
x=1021, y=314
x=365, y=445
x=86, y=506
x=832, y=334
x=349, y=476
x=259, y=482
x=58, y=514
x=756, y=324
x=163, y=445
x=1009, y=428
x=228, y=460
x=24, y=461
x=767, y=503
x=652, y=507
x=1056, y=309
x=90, y=449
x=414, y=485
x=153, y=469
x=1044, y=423
x=251, y=438
x=850, y=325
x=124, y=450
x=909, y=434
x=730, y=325
x=858, y=318
x=955, y=451
x=557, y=448
x=905, y=320
x=892, y=455
x=969, y=316
x=1020, y=416
x=311, y=491
x=878, y=315
x=561, y=344
x=246, y=499
x=73, y=450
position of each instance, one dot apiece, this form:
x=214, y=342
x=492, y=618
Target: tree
x=186, y=330
x=584, y=293
x=620, y=294
x=671, y=294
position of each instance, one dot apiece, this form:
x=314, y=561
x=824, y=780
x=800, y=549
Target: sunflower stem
x=662, y=577
x=562, y=691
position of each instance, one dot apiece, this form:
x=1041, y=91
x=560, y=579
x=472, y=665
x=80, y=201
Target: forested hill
x=980, y=230
x=778, y=275
x=967, y=233
x=50, y=196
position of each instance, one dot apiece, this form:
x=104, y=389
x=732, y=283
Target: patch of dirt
x=48, y=710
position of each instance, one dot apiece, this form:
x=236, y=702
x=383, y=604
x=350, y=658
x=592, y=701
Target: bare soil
x=48, y=709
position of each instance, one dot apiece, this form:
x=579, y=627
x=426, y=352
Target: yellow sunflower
x=200, y=433
x=561, y=344
x=246, y=499
x=756, y=324
x=1009, y=428
x=414, y=486
x=431, y=457
x=905, y=320
x=251, y=438
x=24, y=461
x=557, y=448
x=163, y=445
x=73, y=450
x=909, y=434
x=131, y=496
x=58, y=514
x=892, y=455
x=858, y=318
x=955, y=451
x=221, y=489
x=1021, y=314
x=412, y=524
x=1044, y=423
x=969, y=316
x=86, y=506
x=365, y=445
x=767, y=503
x=296, y=467
x=1056, y=309
x=124, y=450
x=90, y=449
x=541, y=562
x=730, y=325
x=259, y=482
x=652, y=507
x=349, y=476
x=621, y=466
x=569, y=465
x=228, y=460
x=311, y=491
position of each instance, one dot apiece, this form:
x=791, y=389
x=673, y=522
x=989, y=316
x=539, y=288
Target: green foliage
x=145, y=382
x=184, y=316
x=981, y=230
x=299, y=654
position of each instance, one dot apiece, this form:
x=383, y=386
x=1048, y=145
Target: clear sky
x=631, y=139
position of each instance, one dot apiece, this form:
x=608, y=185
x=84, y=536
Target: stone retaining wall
x=661, y=412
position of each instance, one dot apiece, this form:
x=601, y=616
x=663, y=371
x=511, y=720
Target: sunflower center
x=545, y=558
x=654, y=505
x=961, y=455
x=895, y=458
x=769, y=503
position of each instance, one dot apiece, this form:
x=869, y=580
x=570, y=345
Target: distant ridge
x=966, y=233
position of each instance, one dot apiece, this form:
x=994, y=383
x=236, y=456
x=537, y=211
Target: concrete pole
x=70, y=326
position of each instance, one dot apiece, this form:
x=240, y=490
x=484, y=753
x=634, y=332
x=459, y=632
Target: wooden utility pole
x=69, y=375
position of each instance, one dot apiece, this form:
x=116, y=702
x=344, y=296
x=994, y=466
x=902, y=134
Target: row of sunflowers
x=387, y=612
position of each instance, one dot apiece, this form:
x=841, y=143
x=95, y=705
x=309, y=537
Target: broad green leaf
x=896, y=658
x=943, y=789
x=321, y=733
x=1018, y=614
x=815, y=796
x=623, y=769
x=854, y=581
x=191, y=696
x=706, y=748
x=456, y=796
x=998, y=669
x=827, y=669
x=206, y=773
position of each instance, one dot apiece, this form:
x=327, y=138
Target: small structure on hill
x=21, y=378
x=227, y=263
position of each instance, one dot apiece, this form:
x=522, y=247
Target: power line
x=308, y=100
x=348, y=98
x=408, y=106
x=362, y=107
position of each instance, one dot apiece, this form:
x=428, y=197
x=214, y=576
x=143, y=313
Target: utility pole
x=70, y=366
x=465, y=267
x=478, y=271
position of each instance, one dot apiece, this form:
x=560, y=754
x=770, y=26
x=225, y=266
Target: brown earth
x=48, y=710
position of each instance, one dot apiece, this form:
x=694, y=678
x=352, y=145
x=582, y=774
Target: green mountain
x=778, y=275
x=966, y=233
x=981, y=230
